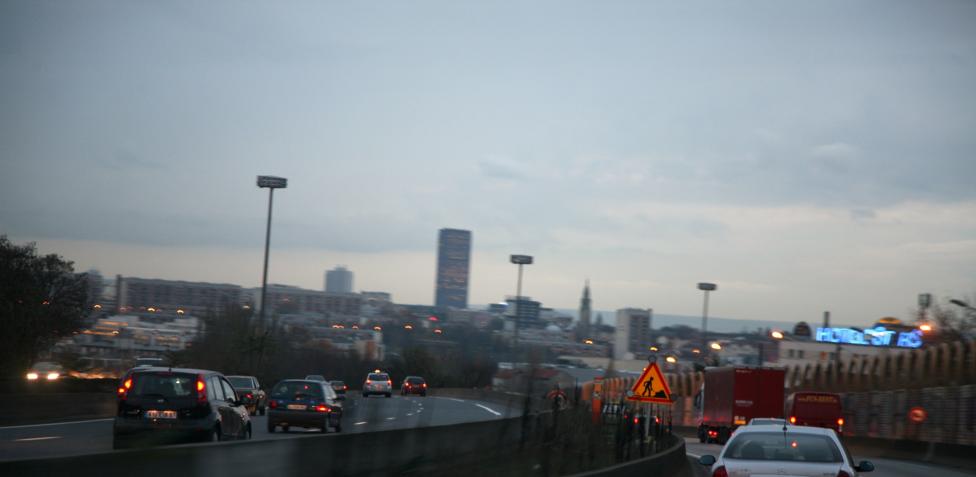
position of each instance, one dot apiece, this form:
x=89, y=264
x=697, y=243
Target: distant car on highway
x=45, y=371
x=413, y=385
x=164, y=405
x=378, y=383
x=798, y=451
x=315, y=377
x=340, y=388
x=250, y=393
x=304, y=403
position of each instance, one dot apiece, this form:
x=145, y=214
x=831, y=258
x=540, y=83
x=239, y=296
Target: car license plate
x=155, y=414
x=297, y=407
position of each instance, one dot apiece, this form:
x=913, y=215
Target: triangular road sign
x=651, y=387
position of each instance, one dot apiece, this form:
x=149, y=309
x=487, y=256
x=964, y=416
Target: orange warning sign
x=651, y=387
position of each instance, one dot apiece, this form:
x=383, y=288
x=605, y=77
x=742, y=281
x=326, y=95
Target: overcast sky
x=804, y=156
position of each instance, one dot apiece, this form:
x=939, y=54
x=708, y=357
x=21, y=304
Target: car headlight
x=52, y=376
x=32, y=376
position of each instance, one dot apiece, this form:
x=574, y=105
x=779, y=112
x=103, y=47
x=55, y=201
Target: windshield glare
x=379, y=377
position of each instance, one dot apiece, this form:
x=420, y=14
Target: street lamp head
x=521, y=259
x=715, y=345
x=776, y=335
x=707, y=286
x=959, y=303
x=272, y=182
x=671, y=359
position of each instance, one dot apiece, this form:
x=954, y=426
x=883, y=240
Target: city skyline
x=798, y=156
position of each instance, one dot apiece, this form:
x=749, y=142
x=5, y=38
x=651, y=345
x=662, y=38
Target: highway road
x=883, y=467
x=361, y=415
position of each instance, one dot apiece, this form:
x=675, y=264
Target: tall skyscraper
x=338, y=280
x=453, y=268
x=632, y=337
x=583, y=327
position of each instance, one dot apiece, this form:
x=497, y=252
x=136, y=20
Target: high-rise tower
x=583, y=328
x=453, y=268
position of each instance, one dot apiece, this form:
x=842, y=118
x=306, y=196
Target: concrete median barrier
x=393, y=452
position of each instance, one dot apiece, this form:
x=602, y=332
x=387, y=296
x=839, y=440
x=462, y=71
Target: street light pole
x=705, y=287
x=271, y=183
x=519, y=260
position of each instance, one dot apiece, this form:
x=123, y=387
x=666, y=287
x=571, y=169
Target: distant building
x=453, y=268
x=632, y=337
x=195, y=298
x=289, y=299
x=583, y=328
x=527, y=311
x=338, y=280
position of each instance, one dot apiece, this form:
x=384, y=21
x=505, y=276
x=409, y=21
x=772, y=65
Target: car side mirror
x=706, y=459
x=864, y=466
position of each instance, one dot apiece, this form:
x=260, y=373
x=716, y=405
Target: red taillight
x=124, y=389
x=720, y=472
x=792, y=419
x=424, y=385
x=322, y=408
x=249, y=395
x=636, y=420
x=389, y=382
x=843, y=474
x=840, y=421
x=201, y=389
x=712, y=433
x=274, y=404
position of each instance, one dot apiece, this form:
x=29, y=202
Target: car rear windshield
x=338, y=384
x=415, y=380
x=164, y=384
x=783, y=447
x=379, y=377
x=240, y=382
x=295, y=389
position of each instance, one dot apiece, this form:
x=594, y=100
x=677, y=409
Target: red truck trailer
x=815, y=409
x=733, y=395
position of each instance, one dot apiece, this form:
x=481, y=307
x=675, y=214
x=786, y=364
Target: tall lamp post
x=271, y=183
x=705, y=287
x=519, y=260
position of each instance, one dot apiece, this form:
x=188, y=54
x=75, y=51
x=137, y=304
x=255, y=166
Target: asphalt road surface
x=361, y=415
x=882, y=467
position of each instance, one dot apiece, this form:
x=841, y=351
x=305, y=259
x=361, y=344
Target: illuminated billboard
x=877, y=336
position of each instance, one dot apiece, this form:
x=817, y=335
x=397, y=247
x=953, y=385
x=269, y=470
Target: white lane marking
x=419, y=411
x=390, y=418
x=31, y=439
x=409, y=413
x=692, y=455
x=489, y=409
x=359, y=423
x=454, y=399
x=55, y=424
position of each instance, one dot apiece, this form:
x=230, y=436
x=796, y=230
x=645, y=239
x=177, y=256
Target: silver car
x=784, y=450
x=378, y=383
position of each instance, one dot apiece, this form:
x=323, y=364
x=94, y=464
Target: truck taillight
x=273, y=404
x=792, y=419
x=720, y=472
x=840, y=421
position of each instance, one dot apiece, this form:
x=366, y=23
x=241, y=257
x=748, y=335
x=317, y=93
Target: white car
x=378, y=383
x=797, y=451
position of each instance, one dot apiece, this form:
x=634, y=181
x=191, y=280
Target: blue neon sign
x=877, y=336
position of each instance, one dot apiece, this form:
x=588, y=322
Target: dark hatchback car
x=413, y=385
x=304, y=403
x=250, y=393
x=168, y=405
x=340, y=388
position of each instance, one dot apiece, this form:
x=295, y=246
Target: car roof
x=790, y=429
x=300, y=381
x=167, y=369
x=239, y=376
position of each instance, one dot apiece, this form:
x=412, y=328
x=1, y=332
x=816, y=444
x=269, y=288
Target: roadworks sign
x=651, y=387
